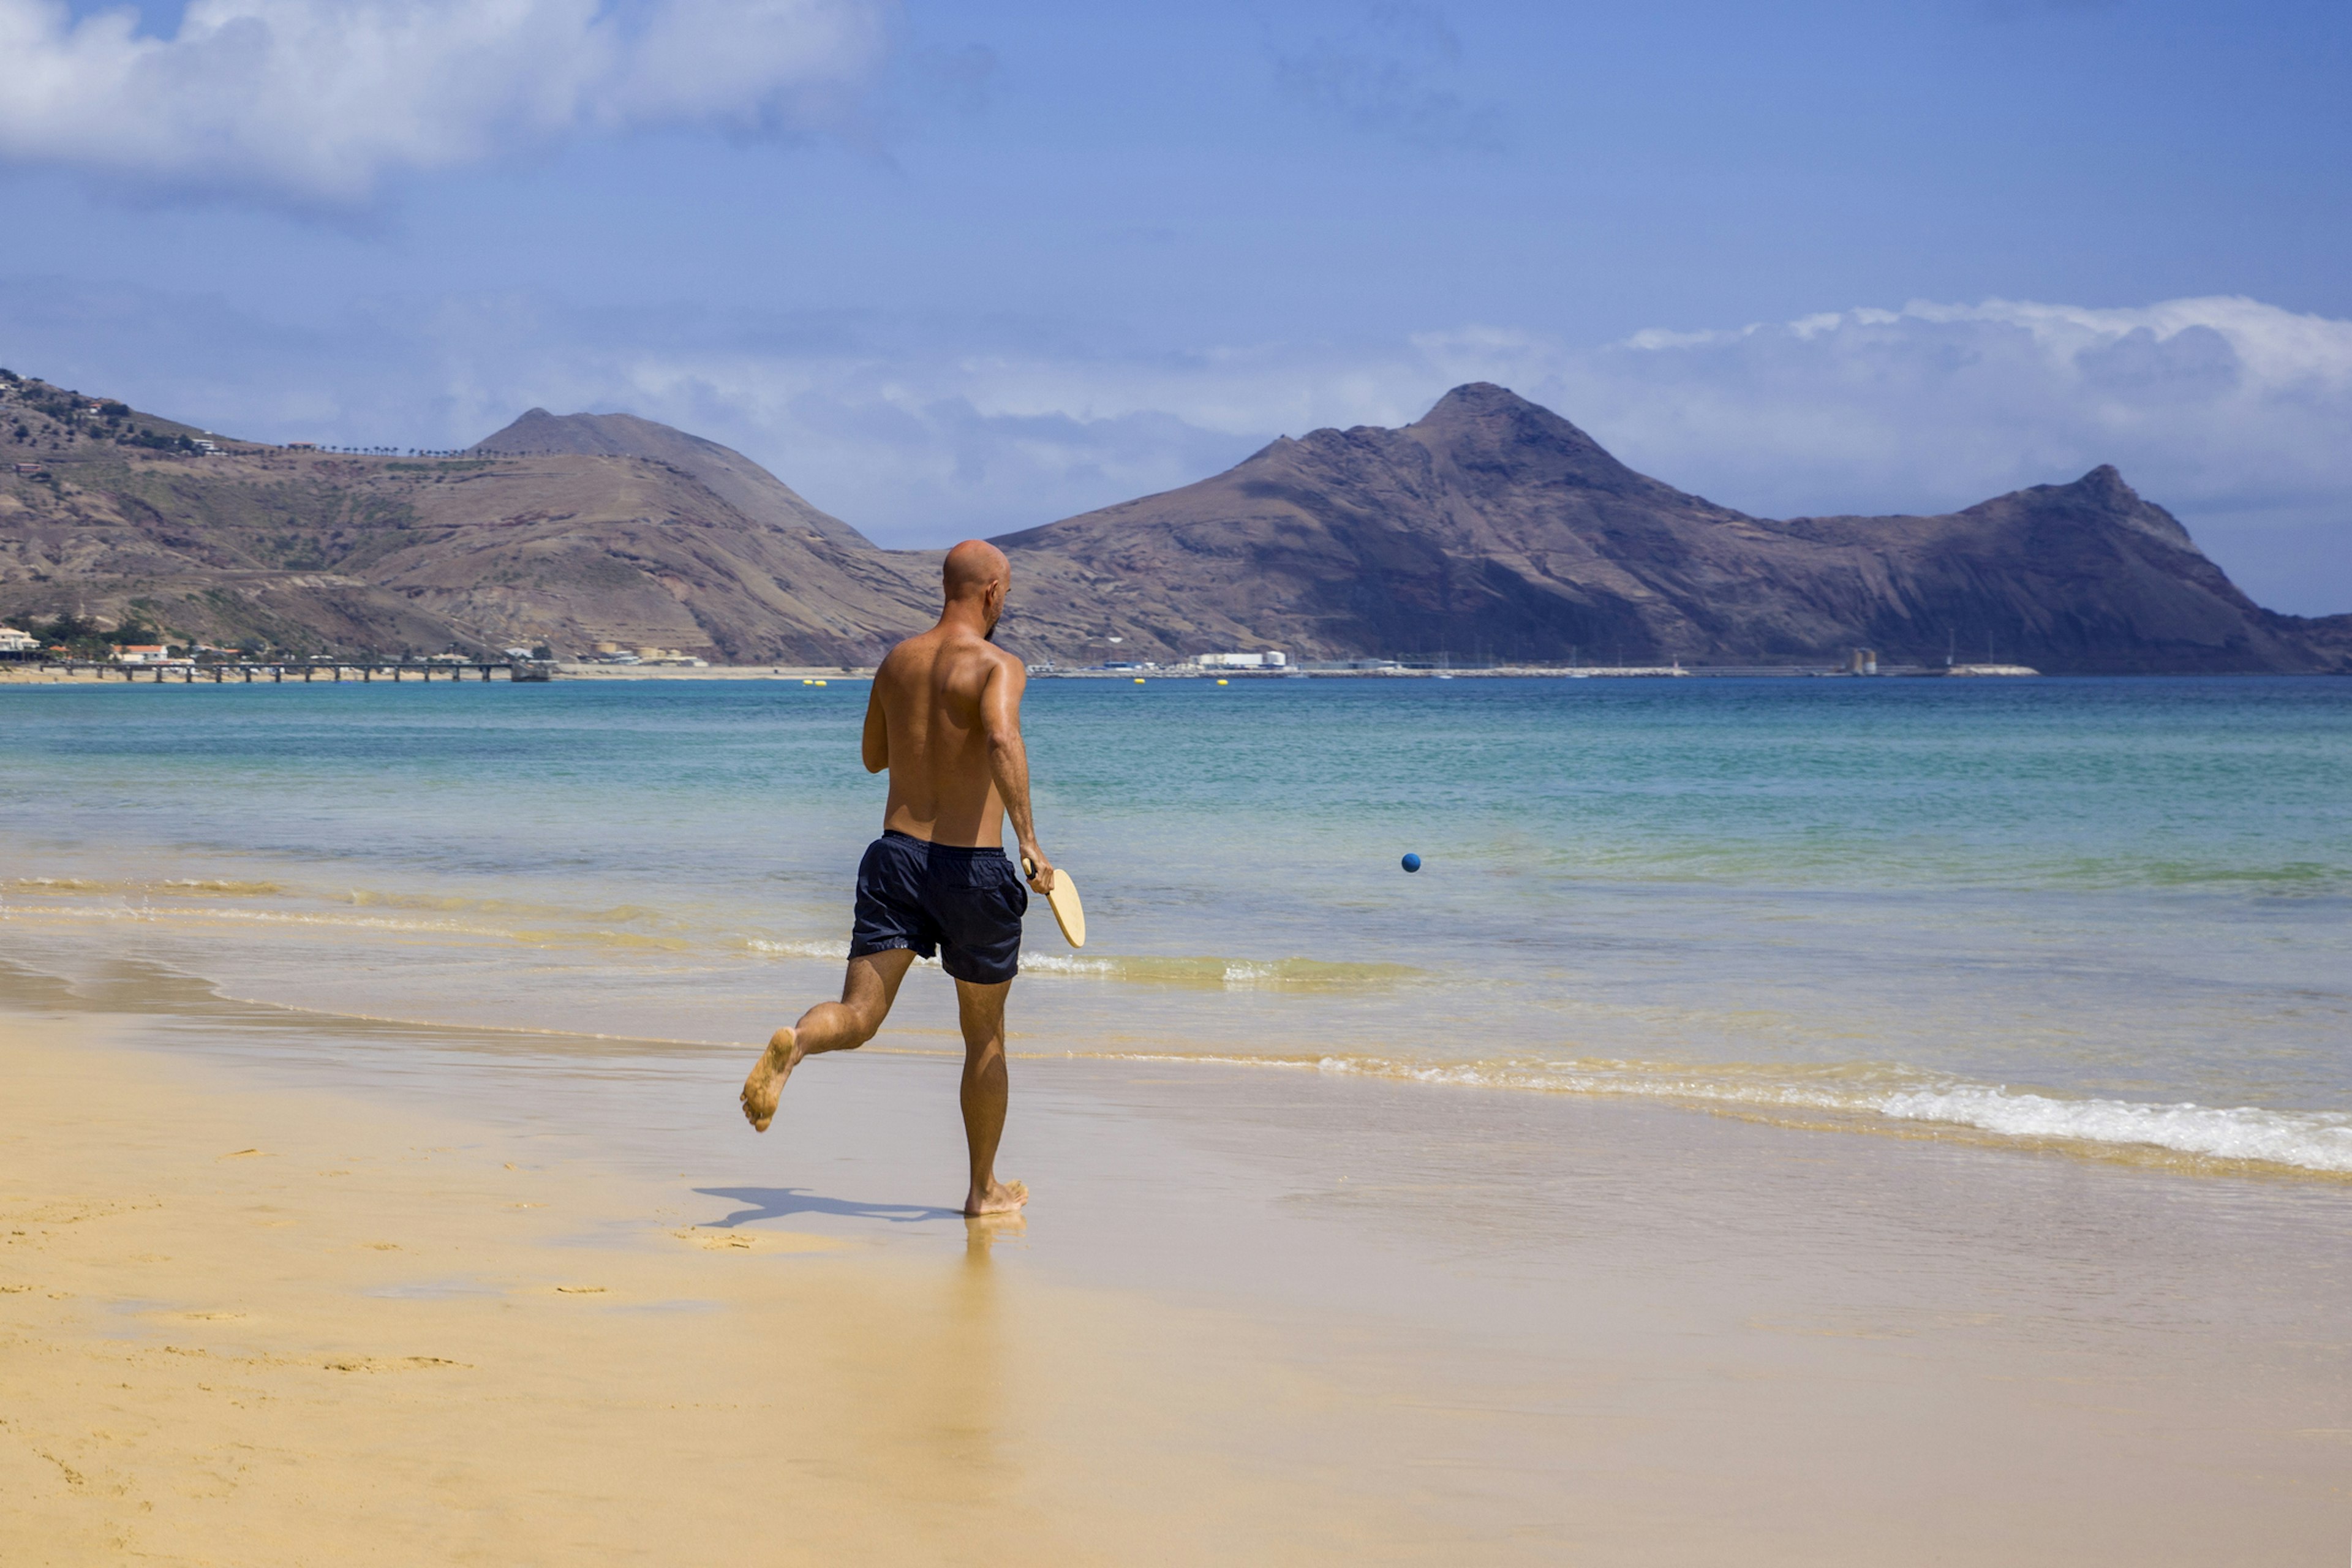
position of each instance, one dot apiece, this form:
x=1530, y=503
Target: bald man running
x=945, y=720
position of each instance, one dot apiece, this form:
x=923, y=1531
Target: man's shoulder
x=974, y=654
x=914, y=651
x=1003, y=671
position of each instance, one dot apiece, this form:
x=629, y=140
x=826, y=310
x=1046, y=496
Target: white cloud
x=315, y=100
x=2217, y=401
x=2230, y=412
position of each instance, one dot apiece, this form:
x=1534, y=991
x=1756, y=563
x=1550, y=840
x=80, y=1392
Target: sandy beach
x=273, y=1293
x=1705, y=1158
x=1597, y=760
x=276, y=1326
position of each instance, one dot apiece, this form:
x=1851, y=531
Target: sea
x=2107, y=919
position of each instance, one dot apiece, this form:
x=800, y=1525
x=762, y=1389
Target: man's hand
x=1040, y=869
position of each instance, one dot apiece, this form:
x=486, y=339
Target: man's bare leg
x=980, y=1010
x=866, y=993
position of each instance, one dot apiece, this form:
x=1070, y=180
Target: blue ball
x=1412, y=862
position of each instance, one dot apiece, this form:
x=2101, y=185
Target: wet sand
x=282, y=1289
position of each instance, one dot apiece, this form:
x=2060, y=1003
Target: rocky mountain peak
x=2102, y=498
x=2107, y=483
x=1482, y=427
x=1482, y=400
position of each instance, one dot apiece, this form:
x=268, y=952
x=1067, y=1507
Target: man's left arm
x=1008, y=762
x=875, y=748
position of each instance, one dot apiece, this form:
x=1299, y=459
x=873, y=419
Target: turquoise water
x=2113, y=913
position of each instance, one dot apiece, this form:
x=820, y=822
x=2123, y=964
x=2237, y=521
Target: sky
x=960, y=269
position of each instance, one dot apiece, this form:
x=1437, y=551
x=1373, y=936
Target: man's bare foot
x=1002, y=1197
x=766, y=1084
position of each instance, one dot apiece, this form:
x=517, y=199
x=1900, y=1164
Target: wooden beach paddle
x=1068, y=913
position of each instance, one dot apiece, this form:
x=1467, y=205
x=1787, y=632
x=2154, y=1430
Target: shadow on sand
x=781, y=1202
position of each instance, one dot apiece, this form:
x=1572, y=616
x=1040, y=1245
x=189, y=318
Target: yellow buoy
x=1221, y=680
x=1138, y=680
x=820, y=683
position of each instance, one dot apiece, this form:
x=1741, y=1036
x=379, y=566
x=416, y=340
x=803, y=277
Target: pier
x=280, y=671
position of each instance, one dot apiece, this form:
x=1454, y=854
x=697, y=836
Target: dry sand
x=246, y=1319
x=254, y=1326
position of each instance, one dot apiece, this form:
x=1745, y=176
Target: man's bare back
x=941, y=701
x=944, y=720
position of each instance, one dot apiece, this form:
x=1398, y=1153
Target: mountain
x=1493, y=527
x=1489, y=528
x=601, y=528
x=726, y=473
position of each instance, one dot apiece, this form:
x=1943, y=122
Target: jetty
x=280, y=672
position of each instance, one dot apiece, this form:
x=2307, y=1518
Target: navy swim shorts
x=964, y=904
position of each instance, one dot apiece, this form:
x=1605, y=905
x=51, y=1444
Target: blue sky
x=962, y=268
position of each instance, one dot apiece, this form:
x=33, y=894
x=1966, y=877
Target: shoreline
x=1858, y=1098
x=30, y=675
x=34, y=675
x=499, y=1297
x=1086, y=1008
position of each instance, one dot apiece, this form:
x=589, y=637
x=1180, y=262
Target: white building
x=1241, y=660
x=15, y=641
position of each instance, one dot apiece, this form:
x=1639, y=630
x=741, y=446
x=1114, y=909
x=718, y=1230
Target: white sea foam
x=2307, y=1140
x=199, y=914
x=174, y=914
x=1228, y=973
x=2319, y=1141
x=798, y=949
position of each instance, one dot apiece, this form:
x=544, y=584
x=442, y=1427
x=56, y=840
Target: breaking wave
x=170, y=887
x=620, y=914
x=2315, y=1141
x=2306, y=1140
x=1225, y=974
x=1228, y=973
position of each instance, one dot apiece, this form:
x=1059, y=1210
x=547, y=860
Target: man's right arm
x=1008, y=761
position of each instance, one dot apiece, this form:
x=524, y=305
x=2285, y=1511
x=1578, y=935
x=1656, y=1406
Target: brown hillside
x=316, y=551
x=1490, y=527
x=726, y=473
x=1493, y=527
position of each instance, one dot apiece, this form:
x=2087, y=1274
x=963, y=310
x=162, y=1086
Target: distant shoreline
x=1537, y=672
x=45, y=675
x=570, y=671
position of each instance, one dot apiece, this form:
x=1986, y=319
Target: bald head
x=972, y=568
